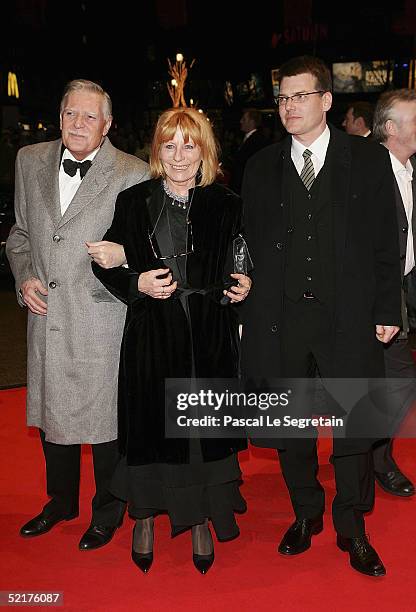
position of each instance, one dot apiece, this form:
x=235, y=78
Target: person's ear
x=326, y=101
x=390, y=127
x=107, y=125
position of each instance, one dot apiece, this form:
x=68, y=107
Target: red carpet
x=248, y=574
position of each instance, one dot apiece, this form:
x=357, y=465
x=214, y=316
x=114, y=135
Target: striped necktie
x=308, y=173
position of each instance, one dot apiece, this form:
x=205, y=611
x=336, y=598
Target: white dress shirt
x=68, y=185
x=318, y=148
x=248, y=134
x=404, y=176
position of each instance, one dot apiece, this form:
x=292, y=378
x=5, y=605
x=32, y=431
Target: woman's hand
x=107, y=254
x=155, y=287
x=239, y=292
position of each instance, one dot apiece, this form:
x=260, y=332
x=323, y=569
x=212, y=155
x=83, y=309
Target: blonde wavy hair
x=194, y=125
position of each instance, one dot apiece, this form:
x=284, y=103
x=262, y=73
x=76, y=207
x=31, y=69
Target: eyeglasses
x=299, y=98
x=189, y=238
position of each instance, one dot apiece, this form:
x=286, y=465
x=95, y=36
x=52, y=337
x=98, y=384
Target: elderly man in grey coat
x=64, y=202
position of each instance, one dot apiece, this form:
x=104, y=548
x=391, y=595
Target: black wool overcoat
x=158, y=336
x=366, y=251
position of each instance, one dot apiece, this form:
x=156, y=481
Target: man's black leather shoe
x=363, y=557
x=42, y=524
x=96, y=536
x=298, y=537
x=396, y=483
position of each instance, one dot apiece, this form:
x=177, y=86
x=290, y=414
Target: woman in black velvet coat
x=177, y=231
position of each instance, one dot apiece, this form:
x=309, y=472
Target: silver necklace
x=177, y=200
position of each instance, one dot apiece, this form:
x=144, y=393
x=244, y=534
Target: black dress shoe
x=142, y=560
x=203, y=562
x=396, y=483
x=298, y=537
x=42, y=524
x=96, y=536
x=363, y=557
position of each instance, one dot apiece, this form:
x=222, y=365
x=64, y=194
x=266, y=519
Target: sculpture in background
x=179, y=72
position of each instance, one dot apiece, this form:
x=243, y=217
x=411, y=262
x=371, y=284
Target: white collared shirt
x=318, y=147
x=68, y=185
x=248, y=134
x=404, y=176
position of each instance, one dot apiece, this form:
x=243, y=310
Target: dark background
x=124, y=45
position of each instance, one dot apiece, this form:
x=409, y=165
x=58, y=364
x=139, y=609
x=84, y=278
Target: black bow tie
x=71, y=167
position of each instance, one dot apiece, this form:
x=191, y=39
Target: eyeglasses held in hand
x=189, y=239
x=299, y=98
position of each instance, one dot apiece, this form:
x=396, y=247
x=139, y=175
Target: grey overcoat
x=73, y=351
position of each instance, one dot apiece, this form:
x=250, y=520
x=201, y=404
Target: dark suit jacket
x=402, y=218
x=254, y=143
x=403, y=231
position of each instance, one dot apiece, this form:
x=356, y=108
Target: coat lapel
x=280, y=185
x=413, y=162
x=48, y=177
x=154, y=204
x=96, y=179
x=402, y=222
x=339, y=158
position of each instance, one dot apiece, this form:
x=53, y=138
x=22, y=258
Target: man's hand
x=385, y=333
x=160, y=288
x=107, y=254
x=240, y=291
x=30, y=290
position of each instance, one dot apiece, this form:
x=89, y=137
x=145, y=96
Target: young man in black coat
x=321, y=227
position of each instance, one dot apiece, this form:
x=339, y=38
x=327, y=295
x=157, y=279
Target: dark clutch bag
x=242, y=262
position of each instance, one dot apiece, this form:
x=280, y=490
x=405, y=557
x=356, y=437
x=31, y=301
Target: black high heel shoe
x=142, y=560
x=204, y=562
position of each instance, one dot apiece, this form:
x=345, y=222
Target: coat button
x=52, y=284
x=309, y=278
x=309, y=196
x=279, y=246
x=404, y=230
x=274, y=328
x=56, y=238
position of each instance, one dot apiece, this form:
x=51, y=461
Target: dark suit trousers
x=306, y=345
x=410, y=293
x=399, y=366
x=63, y=476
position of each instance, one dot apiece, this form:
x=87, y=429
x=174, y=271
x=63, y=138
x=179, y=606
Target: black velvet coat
x=367, y=260
x=157, y=335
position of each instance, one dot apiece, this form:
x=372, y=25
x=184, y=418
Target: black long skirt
x=188, y=493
